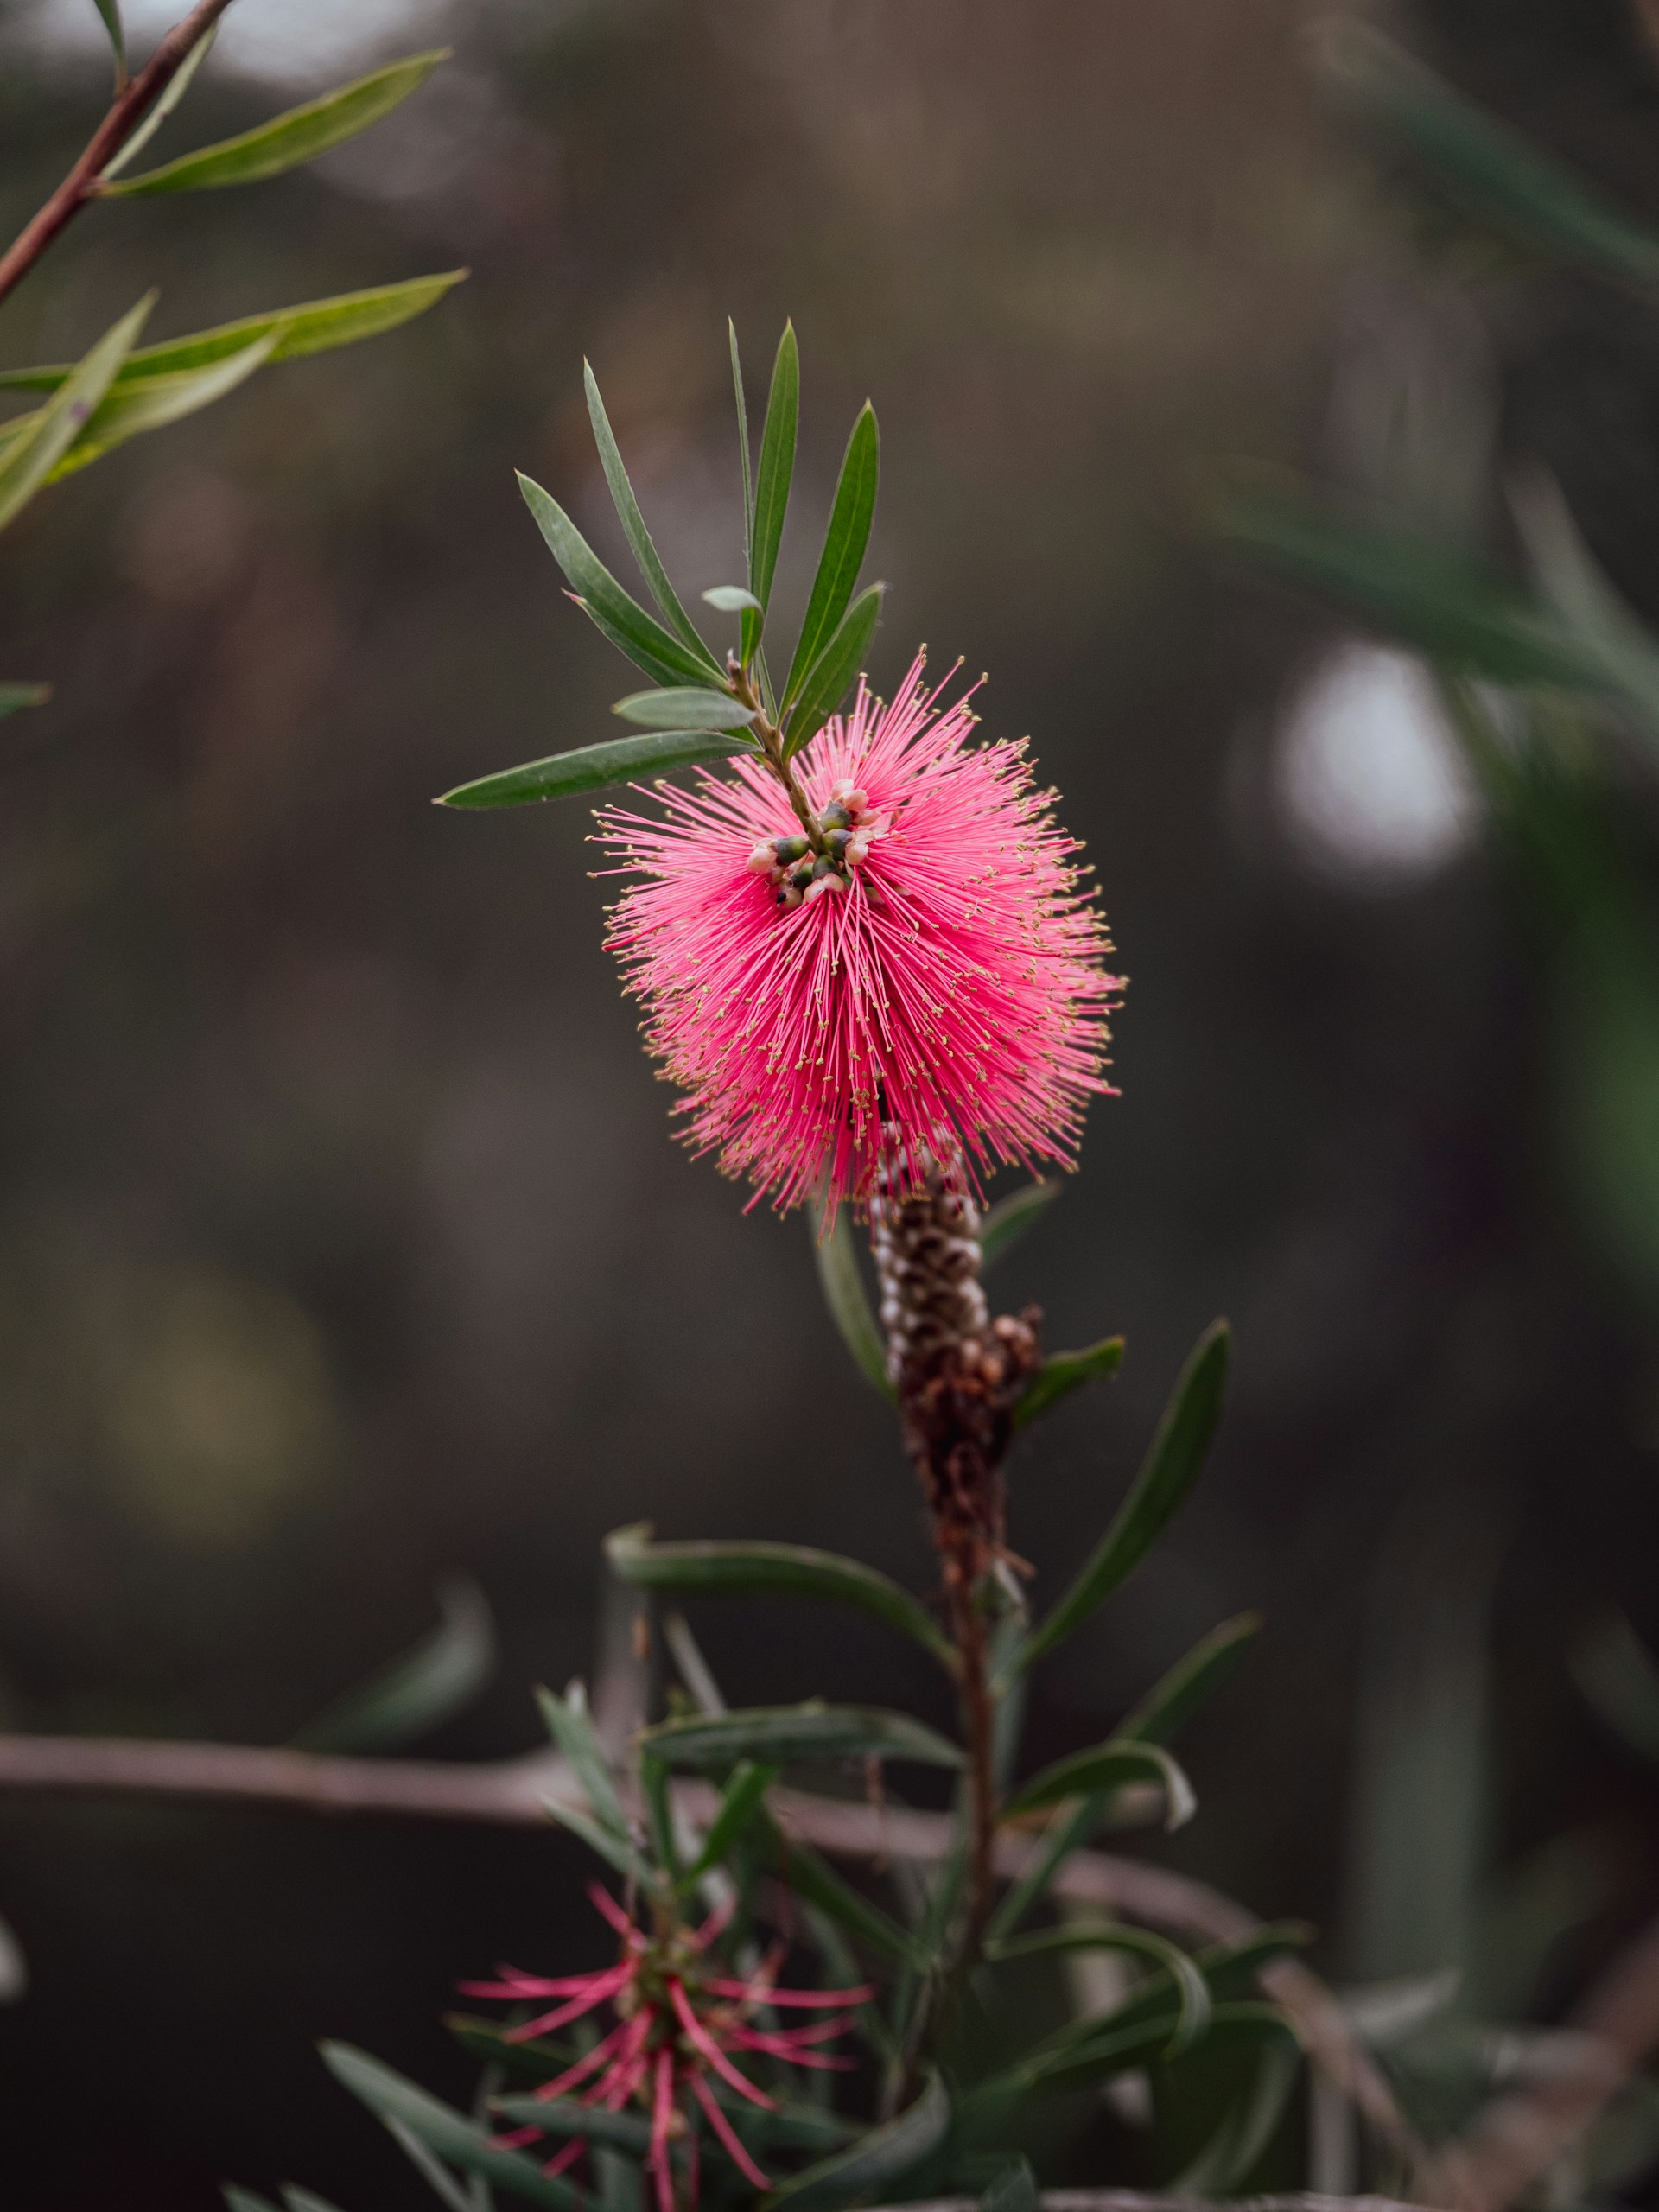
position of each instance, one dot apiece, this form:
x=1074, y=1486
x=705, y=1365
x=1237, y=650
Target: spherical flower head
x=933, y=987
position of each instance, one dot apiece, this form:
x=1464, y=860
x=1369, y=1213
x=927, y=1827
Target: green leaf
x=1450, y=605
x=633, y=523
x=305, y=2200
x=15, y=696
x=1062, y=1372
x=313, y=327
x=740, y=1801
x=623, y=620
x=30, y=458
x=244, y=2199
x=1108, y=1766
x=692, y=709
x=1246, y=2127
x=695, y=1673
x=1003, y=1225
x=760, y=1569
x=440, y=1675
x=1484, y=165
x=772, y=480
x=1191, y=1989
x=1579, y=592
x=595, y=768
x=564, y=2116
x=538, y=2060
x=1191, y=1683
x=1167, y=1475
x=14, y=1968
x=600, y=1839
x=844, y=547
x=111, y=12
x=126, y=411
x=837, y=669
x=299, y=135
x=1233, y=1970
x=1014, y=2189
x=785, y=1734
x=1229, y=2025
x=391, y=2097
x=732, y=599
x=870, y=2166
x=810, y=1878
x=837, y=1255
x=571, y=1727
x=458, y=2196
x=177, y=85
x=743, y=451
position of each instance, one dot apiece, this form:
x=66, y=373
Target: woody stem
x=771, y=739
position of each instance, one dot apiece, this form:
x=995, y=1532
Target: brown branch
x=1519, y=2135
x=514, y=1793
x=126, y=112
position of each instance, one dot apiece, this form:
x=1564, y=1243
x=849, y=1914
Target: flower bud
x=764, y=858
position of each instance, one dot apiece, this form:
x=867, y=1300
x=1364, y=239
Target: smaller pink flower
x=679, y=2018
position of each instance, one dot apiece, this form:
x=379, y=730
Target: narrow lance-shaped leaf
x=1484, y=164
x=1191, y=1991
x=172, y=93
x=741, y=1801
x=441, y=1674
x=595, y=768
x=1004, y=1223
x=743, y=452
x=571, y=1727
x=772, y=480
x=128, y=412
x=391, y=2097
x=1062, y=1372
x=732, y=599
x=836, y=670
x=1014, y=2189
x=1170, y=1469
x=312, y=327
x=870, y=2166
x=684, y=709
x=1447, y=603
x=244, y=2199
x=623, y=620
x=837, y=1255
x=15, y=696
x=810, y=1878
x=757, y=1568
x=633, y=523
x=28, y=460
x=1108, y=1766
x=1581, y=594
x=844, y=545
x=1191, y=1682
x=785, y=1734
x=564, y=2116
x=299, y=135
x=305, y=2200
x=110, y=12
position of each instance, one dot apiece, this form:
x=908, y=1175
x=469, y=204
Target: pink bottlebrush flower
x=940, y=991
x=679, y=2016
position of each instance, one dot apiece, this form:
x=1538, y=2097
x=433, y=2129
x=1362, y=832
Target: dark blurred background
x=343, y=1239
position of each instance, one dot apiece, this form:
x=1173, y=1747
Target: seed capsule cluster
x=797, y=873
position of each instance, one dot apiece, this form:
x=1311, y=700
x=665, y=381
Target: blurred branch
x=126, y=112
x=514, y=1793
x=1519, y=2135
x=1134, y=2200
